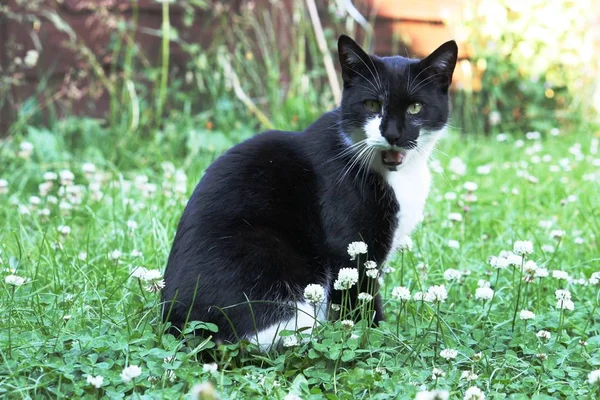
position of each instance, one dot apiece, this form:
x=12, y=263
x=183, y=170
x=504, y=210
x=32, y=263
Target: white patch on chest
x=304, y=318
x=411, y=186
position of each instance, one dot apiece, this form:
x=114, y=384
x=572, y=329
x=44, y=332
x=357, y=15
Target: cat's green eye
x=373, y=106
x=414, y=108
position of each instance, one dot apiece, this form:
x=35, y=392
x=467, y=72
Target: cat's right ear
x=353, y=58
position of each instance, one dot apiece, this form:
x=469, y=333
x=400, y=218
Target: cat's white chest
x=411, y=186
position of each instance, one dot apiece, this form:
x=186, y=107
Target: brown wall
x=93, y=23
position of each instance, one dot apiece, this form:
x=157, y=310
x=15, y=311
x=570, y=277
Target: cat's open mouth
x=392, y=158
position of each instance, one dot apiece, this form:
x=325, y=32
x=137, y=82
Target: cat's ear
x=440, y=64
x=353, y=58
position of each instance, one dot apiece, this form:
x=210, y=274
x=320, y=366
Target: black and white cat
x=277, y=212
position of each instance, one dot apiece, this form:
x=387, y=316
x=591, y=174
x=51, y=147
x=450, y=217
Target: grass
x=81, y=312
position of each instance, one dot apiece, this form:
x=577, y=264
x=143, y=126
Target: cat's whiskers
x=352, y=162
x=349, y=149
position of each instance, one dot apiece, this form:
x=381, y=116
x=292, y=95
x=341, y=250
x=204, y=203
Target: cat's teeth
x=393, y=157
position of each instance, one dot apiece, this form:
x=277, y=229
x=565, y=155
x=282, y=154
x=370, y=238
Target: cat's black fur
x=277, y=212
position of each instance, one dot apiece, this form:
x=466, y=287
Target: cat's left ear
x=441, y=63
x=353, y=59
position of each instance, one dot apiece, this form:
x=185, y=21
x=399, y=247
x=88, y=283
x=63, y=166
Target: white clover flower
x=136, y=253
x=365, y=297
x=211, y=368
x=290, y=341
x=370, y=264
x=25, y=150
x=453, y=244
x=88, y=168
x=131, y=224
x=205, y=390
x=50, y=176
x=565, y=304
x=335, y=307
x=437, y=373
x=484, y=169
x=155, y=286
x=594, y=377
x=372, y=273
x=64, y=230
x=541, y=273
x=292, y=396
x=66, y=177
x=457, y=166
x=484, y=293
x=498, y=262
x=523, y=247
x=347, y=277
x=356, y=248
x=514, y=260
x=562, y=294
x=579, y=240
x=436, y=293
x=347, y=324
x=23, y=210
x=595, y=278
x=526, y=315
x=557, y=274
x=557, y=234
x=535, y=135
x=452, y=274
x=448, y=354
x=450, y=196
x=420, y=296
x=469, y=375
x=34, y=201
x=502, y=137
x=15, y=280
x=131, y=372
x=146, y=275
x=401, y=293
x=457, y=217
x=432, y=395
x=530, y=267
x=314, y=293
x=30, y=60
x=95, y=381
x=405, y=243
x=542, y=334
x=554, y=131
x=474, y=393
x=482, y=283
x=470, y=186
x=115, y=255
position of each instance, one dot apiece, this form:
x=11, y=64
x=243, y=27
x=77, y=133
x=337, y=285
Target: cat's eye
x=414, y=108
x=373, y=106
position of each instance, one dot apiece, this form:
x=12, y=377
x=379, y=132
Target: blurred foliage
x=533, y=64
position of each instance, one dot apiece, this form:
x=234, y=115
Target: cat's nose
x=392, y=135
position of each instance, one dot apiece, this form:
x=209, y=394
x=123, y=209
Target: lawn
x=75, y=224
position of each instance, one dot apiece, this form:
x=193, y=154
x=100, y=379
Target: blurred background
x=139, y=82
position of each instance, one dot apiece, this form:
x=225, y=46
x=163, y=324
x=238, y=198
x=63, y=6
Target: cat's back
x=253, y=176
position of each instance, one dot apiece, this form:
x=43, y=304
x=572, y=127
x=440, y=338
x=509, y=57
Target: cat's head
x=394, y=108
